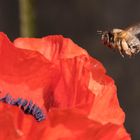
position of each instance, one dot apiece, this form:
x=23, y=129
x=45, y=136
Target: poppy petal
x=82, y=81
x=24, y=73
x=52, y=47
x=72, y=87
x=65, y=125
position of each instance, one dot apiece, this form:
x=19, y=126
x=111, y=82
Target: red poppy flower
x=51, y=89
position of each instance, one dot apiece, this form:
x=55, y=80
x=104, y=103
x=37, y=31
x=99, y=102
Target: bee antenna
x=99, y=32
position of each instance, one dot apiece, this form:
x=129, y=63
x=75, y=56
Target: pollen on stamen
x=27, y=106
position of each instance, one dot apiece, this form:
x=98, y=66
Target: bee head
x=107, y=37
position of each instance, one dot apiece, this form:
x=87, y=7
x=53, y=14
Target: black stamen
x=24, y=103
x=34, y=109
x=39, y=115
x=18, y=102
x=8, y=98
x=3, y=98
x=27, y=106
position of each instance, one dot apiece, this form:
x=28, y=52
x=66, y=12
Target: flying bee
x=125, y=41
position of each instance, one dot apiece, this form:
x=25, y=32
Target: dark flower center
x=27, y=106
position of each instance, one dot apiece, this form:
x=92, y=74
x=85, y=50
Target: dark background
x=79, y=20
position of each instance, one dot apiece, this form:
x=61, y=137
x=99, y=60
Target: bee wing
x=134, y=29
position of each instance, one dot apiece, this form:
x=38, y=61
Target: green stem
x=27, y=18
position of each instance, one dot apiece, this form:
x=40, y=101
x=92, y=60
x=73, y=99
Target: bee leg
x=120, y=48
x=126, y=48
x=121, y=53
